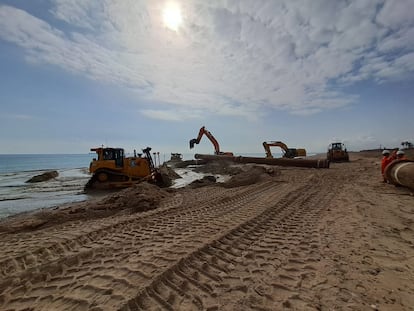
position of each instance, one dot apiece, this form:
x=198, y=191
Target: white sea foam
x=187, y=177
x=16, y=195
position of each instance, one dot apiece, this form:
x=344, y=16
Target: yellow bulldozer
x=337, y=153
x=111, y=169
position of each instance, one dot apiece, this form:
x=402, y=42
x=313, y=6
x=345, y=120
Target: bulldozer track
x=183, y=255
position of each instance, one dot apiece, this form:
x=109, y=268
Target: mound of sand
x=139, y=198
x=250, y=174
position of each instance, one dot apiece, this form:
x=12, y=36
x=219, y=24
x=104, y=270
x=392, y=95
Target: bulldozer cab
x=338, y=146
x=337, y=153
x=115, y=154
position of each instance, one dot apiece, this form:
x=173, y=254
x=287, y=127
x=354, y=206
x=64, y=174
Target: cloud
x=169, y=115
x=396, y=14
x=235, y=58
x=17, y=117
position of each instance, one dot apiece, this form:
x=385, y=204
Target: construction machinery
x=111, y=169
x=287, y=152
x=204, y=131
x=176, y=157
x=337, y=153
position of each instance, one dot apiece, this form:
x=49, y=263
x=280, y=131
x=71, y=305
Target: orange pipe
x=401, y=173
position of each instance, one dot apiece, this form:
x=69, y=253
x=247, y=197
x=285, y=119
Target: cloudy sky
x=134, y=73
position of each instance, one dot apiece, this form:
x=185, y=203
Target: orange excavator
x=204, y=131
x=287, y=152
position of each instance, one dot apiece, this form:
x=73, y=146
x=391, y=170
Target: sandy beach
x=270, y=238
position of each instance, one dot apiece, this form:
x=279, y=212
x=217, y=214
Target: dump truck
x=112, y=169
x=337, y=153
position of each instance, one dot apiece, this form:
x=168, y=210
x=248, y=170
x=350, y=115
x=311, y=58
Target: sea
x=18, y=196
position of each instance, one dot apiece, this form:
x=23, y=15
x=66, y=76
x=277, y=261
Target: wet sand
x=271, y=238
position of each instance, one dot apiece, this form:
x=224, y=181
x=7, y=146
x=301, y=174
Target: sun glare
x=172, y=16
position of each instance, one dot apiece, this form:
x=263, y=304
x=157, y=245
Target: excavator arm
x=287, y=152
x=204, y=131
x=269, y=144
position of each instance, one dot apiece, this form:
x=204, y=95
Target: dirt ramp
x=140, y=198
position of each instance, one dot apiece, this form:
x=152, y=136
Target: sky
x=77, y=74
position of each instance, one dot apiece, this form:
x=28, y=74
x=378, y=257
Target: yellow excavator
x=287, y=152
x=204, y=131
x=111, y=169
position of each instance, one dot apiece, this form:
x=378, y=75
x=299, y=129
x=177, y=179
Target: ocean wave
x=12, y=199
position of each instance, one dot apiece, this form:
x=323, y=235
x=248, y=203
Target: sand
x=271, y=238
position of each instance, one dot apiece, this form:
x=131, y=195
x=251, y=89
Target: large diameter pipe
x=401, y=172
x=322, y=163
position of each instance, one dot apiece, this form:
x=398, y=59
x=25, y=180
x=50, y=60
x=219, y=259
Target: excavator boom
x=287, y=152
x=204, y=131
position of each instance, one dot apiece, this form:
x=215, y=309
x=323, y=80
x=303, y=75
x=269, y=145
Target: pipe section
x=401, y=173
x=322, y=163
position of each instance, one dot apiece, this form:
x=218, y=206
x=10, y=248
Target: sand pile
x=139, y=198
x=251, y=174
x=240, y=175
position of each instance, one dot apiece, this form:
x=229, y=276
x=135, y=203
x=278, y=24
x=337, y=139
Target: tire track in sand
x=106, y=270
x=27, y=250
x=260, y=264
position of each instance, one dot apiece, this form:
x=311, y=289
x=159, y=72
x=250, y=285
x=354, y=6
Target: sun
x=172, y=16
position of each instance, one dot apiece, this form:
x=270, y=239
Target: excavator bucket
x=192, y=143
